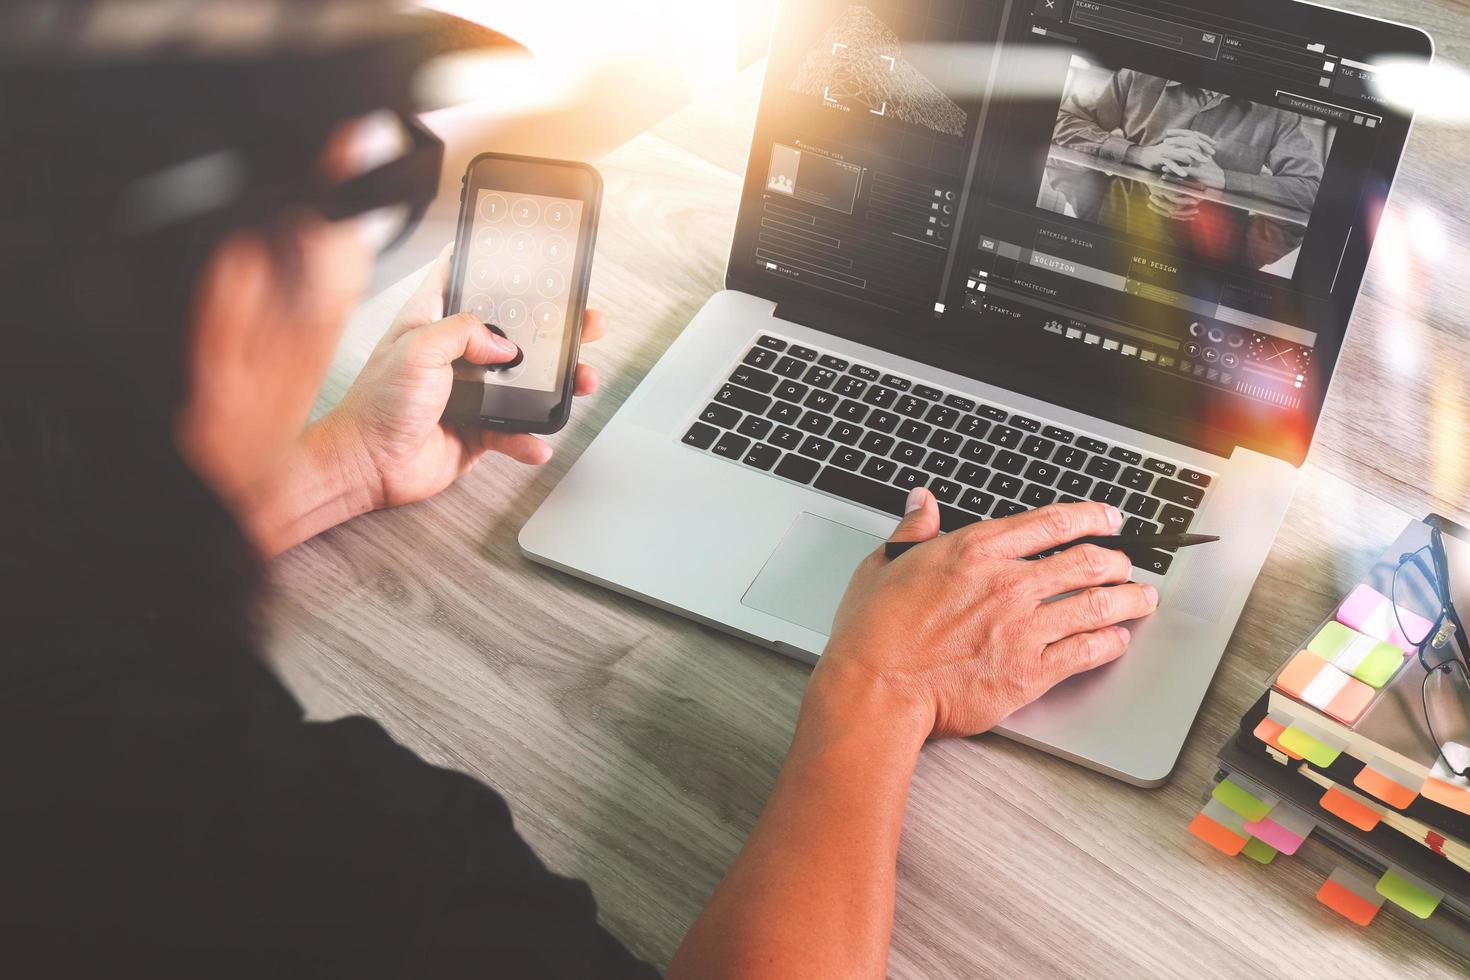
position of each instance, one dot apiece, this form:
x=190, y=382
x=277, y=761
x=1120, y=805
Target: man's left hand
x=390, y=419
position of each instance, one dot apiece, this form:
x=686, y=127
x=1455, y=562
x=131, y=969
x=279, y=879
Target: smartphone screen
x=522, y=260
x=519, y=277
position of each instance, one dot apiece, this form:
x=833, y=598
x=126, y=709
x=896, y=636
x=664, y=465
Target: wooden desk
x=636, y=748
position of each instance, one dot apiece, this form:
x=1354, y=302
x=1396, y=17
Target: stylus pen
x=1117, y=542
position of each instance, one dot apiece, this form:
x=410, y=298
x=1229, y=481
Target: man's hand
x=1174, y=205
x=1176, y=153
x=1209, y=173
x=958, y=632
x=390, y=418
x=947, y=639
x=385, y=445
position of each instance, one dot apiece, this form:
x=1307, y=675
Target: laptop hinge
x=823, y=317
x=798, y=313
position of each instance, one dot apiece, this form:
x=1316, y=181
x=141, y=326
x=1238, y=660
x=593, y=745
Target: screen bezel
x=855, y=320
x=526, y=409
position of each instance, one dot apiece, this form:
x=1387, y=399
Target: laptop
x=1018, y=252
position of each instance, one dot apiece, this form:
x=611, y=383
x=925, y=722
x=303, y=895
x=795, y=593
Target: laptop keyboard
x=870, y=437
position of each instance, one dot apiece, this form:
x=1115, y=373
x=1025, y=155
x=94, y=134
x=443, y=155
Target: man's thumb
x=464, y=335
x=920, y=517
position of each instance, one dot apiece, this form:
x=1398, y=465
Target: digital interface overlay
x=1138, y=195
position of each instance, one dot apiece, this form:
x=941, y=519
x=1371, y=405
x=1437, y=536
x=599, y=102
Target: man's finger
x=1093, y=609
x=519, y=446
x=1077, y=568
x=462, y=335
x=1174, y=153
x=1041, y=530
x=427, y=302
x=1084, y=651
x=594, y=326
x=920, y=518
x=586, y=380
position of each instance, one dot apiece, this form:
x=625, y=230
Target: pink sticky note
x=1370, y=612
x=1274, y=834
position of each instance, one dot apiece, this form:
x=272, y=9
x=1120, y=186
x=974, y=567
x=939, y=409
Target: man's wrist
x=326, y=481
x=845, y=698
x=1118, y=149
x=338, y=448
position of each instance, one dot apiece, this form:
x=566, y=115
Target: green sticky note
x=1331, y=640
x=1371, y=661
x=1407, y=895
x=1239, y=800
x=1304, y=745
x=1379, y=665
x=1259, y=850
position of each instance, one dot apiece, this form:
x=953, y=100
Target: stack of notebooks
x=1335, y=763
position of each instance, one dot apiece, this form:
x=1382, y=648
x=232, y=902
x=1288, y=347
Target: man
x=182, y=241
x=1219, y=141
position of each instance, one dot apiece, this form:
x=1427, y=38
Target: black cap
x=196, y=77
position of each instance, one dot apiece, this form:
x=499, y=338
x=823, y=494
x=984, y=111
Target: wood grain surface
x=636, y=748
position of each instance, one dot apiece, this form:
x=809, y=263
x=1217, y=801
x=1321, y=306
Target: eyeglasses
x=397, y=193
x=1422, y=581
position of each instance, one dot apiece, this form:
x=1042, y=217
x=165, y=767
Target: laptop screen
x=1147, y=211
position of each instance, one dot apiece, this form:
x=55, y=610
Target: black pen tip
x=1189, y=539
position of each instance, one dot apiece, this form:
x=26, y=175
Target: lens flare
x=692, y=44
x=1436, y=91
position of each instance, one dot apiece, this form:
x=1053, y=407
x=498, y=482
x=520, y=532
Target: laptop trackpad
x=804, y=578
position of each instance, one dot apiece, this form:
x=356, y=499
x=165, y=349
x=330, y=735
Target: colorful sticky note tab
x=1259, y=850
x=1246, y=804
x=1269, y=731
x=1282, y=834
x=1311, y=679
x=1350, y=896
x=1369, y=611
x=1443, y=785
x=1359, y=813
x=1408, y=893
x=1224, y=816
x=1315, y=751
x=1370, y=660
x=1218, y=836
x=1446, y=794
x=1386, y=784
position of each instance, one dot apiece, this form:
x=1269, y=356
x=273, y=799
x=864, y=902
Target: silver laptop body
x=698, y=498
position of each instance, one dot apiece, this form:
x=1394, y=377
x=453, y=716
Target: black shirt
x=165, y=810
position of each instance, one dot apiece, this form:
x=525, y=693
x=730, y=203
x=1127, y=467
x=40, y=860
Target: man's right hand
x=960, y=631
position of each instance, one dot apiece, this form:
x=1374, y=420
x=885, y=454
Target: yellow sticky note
x=1309, y=748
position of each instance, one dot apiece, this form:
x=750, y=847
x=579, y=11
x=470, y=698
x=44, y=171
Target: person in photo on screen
x=1219, y=141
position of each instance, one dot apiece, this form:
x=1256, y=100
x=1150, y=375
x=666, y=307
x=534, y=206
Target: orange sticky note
x=1269, y=732
x=1350, y=703
x=1441, y=792
x=1360, y=815
x=1217, y=835
x=1311, y=679
x=1376, y=784
x=1346, y=903
x=1300, y=672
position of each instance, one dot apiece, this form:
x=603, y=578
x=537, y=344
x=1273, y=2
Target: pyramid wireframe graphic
x=859, y=62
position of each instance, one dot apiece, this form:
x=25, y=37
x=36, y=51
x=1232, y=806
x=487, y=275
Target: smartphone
x=522, y=260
